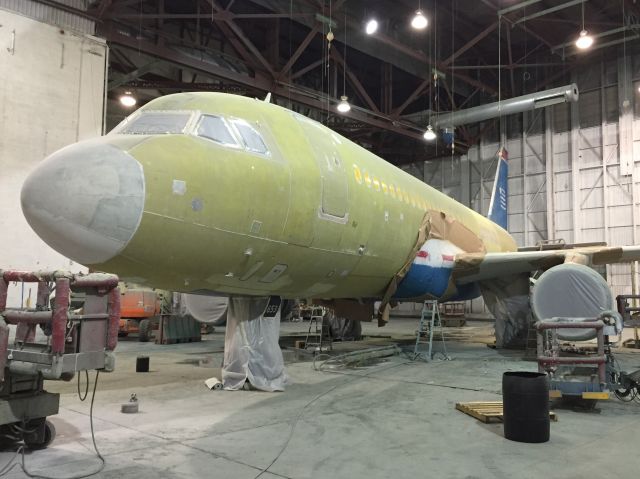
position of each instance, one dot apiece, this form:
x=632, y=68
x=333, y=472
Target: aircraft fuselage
x=206, y=192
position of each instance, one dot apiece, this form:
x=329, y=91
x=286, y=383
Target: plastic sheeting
x=207, y=309
x=251, y=349
x=344, y=329
x=508, y=300
x=571, y=291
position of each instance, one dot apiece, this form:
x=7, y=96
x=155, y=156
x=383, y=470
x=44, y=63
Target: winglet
x=499, y=196
x=267, y=99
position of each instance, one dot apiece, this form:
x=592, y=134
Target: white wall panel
x=537, y=203
x=621, y=235
x=561, y=142
x=604, y=199
x=590, y=157
x=563, y=181
x=591, y=198
x=51, y=95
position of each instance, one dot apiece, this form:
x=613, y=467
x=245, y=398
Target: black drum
x=526, y=406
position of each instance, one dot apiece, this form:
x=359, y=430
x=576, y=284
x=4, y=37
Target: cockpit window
x=252, y=139
x=156, y=123
x=214, y=128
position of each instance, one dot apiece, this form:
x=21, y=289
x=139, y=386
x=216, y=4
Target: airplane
x=214, y=193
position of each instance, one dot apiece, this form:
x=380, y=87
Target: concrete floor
x=394, y=419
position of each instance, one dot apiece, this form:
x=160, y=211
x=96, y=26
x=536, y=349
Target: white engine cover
x=571, y=292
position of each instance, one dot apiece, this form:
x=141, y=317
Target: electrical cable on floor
x=406, y=381
x=304, y=408
x=21, y=450
x=12, y=464
x=351, y=358
x=86, y=389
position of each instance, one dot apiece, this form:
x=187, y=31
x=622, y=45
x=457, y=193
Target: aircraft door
x=334, y=201
x=335, y=192
x=328, y=187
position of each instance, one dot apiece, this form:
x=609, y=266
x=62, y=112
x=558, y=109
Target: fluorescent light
x=128, y=100
x=419, y=21
x=371, y=27
x=344, y=106
x=584, y=41
x=429, y=135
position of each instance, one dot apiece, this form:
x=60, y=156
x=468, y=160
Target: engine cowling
x=207, y=309
x=573, y=292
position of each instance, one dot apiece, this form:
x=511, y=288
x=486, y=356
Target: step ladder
x=429, y=321
x=318, y=334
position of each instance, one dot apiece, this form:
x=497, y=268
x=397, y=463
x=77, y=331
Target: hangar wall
x=51, y=95
x=574, y=169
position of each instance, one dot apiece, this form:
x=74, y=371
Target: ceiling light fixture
x=419, y=21
x=429, y=135
x=343, y=106
x=584, y=40
x=128, y=99
x=371, y=27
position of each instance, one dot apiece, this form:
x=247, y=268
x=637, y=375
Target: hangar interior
x=242, y=379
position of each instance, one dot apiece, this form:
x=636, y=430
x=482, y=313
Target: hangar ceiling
x=396, y=79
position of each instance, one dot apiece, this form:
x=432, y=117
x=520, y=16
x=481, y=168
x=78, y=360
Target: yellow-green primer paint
x=241, y=214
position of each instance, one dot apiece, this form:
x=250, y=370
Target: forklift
x=141, y=310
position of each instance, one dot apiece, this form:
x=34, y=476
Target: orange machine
x=138, y=307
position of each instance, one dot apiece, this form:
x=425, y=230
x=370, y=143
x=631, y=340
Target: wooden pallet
x=488, y=410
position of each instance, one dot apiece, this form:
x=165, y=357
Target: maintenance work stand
x=429, y=321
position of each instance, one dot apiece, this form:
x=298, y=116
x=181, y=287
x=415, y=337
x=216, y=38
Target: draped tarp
x=251, y=349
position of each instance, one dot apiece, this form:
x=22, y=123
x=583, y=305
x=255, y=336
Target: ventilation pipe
x=541, y=99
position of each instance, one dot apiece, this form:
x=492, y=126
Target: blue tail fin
x=499, y=196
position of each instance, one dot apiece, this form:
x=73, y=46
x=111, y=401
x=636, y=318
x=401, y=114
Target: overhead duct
x=541, y=99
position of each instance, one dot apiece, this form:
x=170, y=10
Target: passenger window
x=214, y=128
x=252, y=139
x=156, y=123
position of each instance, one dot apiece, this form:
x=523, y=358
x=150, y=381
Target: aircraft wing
x=472, y=267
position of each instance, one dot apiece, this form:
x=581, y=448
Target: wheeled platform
x=76, y=340
x=589, y=377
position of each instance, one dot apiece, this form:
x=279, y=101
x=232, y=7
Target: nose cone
x=85, y=201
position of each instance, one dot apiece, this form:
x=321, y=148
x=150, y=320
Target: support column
x=625, y=122
x=525, y=203
x=605, y=200
x=481, y=169
x=465, y=180
x=575, y=167
x=550, y=175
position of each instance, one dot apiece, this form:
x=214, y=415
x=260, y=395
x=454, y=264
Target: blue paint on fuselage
x=466, y=292
x=422, y=280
